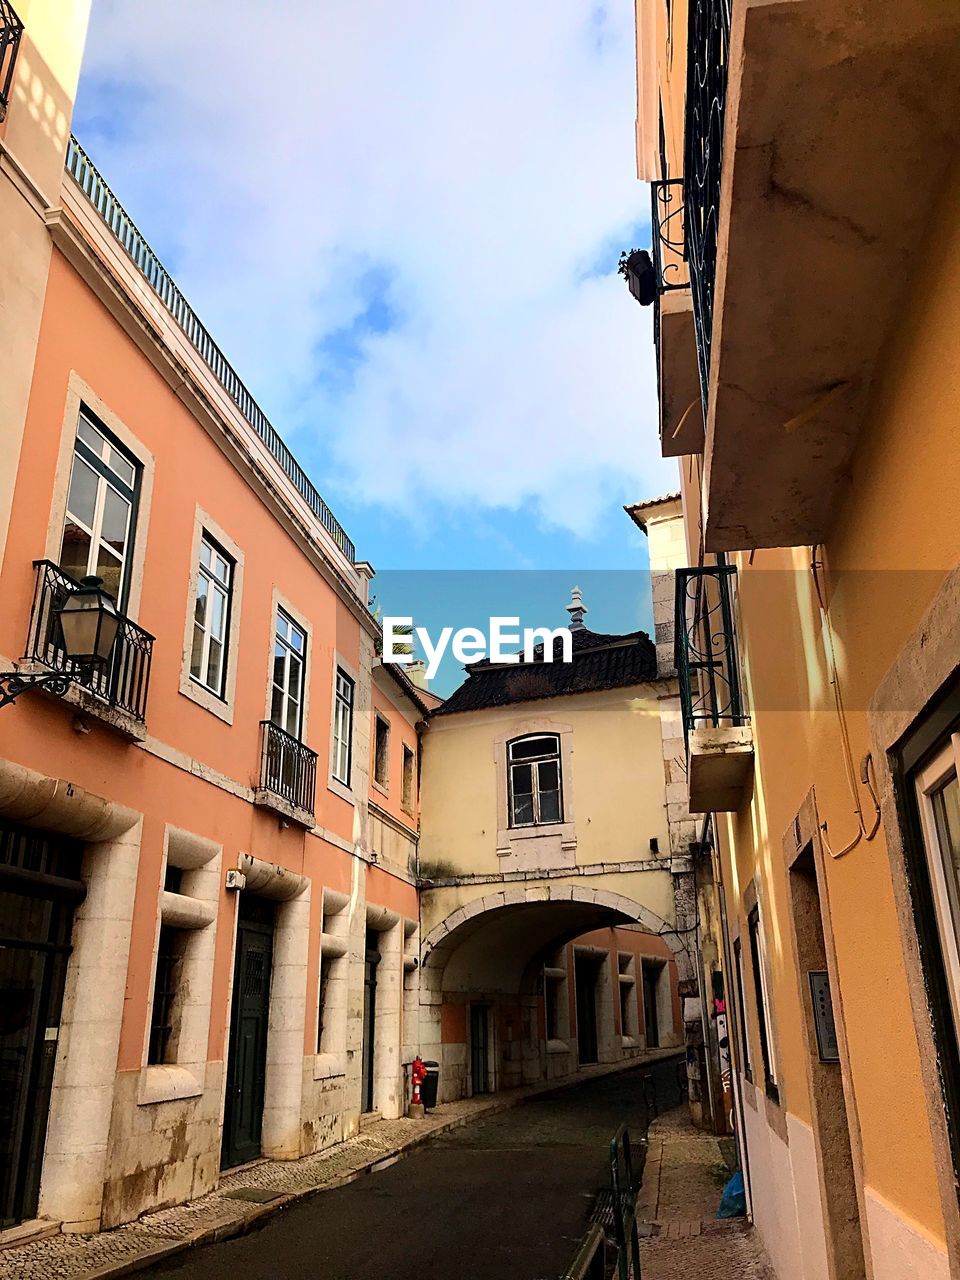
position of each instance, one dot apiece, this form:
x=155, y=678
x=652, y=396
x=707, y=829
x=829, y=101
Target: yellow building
x=805, y=176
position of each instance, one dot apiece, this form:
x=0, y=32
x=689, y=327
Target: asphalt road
x=507, y=1197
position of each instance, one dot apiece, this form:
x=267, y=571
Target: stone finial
x=576, y=609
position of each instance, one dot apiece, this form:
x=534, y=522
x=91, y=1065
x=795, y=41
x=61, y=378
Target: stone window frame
x=627, y=978
x=330, y=1059
x=81, y=395
x=378, y=719
x=194, y=910
x=556, y=975
x=408, y=794
x=347, y=793
x=222, y=707
x=510, y=839
x=279, y=602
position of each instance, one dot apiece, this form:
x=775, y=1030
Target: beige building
x=545, y=818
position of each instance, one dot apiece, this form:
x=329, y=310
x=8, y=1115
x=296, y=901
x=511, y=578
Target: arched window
x=533, y=780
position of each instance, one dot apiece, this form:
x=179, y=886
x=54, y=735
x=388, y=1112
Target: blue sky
x=402, y=223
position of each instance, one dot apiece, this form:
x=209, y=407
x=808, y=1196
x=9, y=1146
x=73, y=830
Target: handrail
x=93, y=185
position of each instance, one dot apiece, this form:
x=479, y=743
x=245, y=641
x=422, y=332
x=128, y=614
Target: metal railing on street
x=616, y=1207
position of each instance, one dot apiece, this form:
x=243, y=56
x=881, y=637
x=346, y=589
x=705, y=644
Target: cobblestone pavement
x=218, y=1215
x=682, y=1184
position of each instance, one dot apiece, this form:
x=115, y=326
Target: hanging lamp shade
x=89, y=621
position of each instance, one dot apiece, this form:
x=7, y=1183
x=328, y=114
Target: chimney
x=576, y=609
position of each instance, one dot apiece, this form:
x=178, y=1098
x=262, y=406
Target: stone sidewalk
x=682, y=1183
x=246, y=1195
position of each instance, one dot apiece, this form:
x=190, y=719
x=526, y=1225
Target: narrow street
x=507, y=1196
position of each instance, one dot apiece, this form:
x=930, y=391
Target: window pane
x=214, y=663
x=549, y=775
x=217, y=613
x=206, y=553
x=276, y=706
x=75, y=552
x=123, y=469
x=549, y=806
x=196, y=653
x=522, y=809
x=292, y=725
x=946, y=808
x=295, y=671
x=116, y=514
x=91, y=437
x=200, y=607
x=110, y=569
x=522, y=775
x=83, y=492
x=296, y=638
x=529, y=748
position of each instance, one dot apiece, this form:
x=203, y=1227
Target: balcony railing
x=288, y=769
x=11, y=29
x=91, y=183
x=708, y=47
x=707, y=653
x=125, y=680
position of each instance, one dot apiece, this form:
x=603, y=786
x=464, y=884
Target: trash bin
x=431, y=1083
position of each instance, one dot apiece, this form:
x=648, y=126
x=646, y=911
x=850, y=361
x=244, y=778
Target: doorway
x=249, y=1021
x=479, y=1049
x=368, y=1066
x=39, y=888
x=822, y=1021
x=651, y=1019
x=585, y=972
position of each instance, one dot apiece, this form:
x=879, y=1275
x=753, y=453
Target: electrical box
x=827, y=1044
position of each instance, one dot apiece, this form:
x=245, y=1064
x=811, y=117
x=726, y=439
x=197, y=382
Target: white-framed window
x=211, y=616
x=758, y=953
x=381, y=751
x=938, y=797
x=101, y=509
x=533, y=780
x=289, y=662
x=342, y=727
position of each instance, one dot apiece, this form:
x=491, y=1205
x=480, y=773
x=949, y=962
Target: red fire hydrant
x=418, y=1073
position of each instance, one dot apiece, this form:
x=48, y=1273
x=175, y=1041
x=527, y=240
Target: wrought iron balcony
x=669, y=236
x=288, y=772
x=707, y=656
x=719, y=742
x=708, y=47
x=123, y=683
x=92, y=184
x=11, y=29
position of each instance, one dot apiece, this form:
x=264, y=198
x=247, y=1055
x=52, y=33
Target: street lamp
x=89, y=622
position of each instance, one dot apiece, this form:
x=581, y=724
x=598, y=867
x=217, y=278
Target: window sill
x=341, y=789
x=206, y=698
x=168, y=1083
x=558, y=1046
x=383, y=788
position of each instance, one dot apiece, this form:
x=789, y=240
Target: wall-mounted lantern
x=89, y=622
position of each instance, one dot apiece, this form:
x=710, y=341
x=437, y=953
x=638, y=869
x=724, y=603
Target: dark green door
x=39, y=887
x=585, y=978
x=247, y=1058
x=372, y=959
x=479, y=1048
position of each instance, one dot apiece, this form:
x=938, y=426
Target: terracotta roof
x=599, y=662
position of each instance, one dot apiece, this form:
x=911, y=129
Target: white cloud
x=479, y=158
